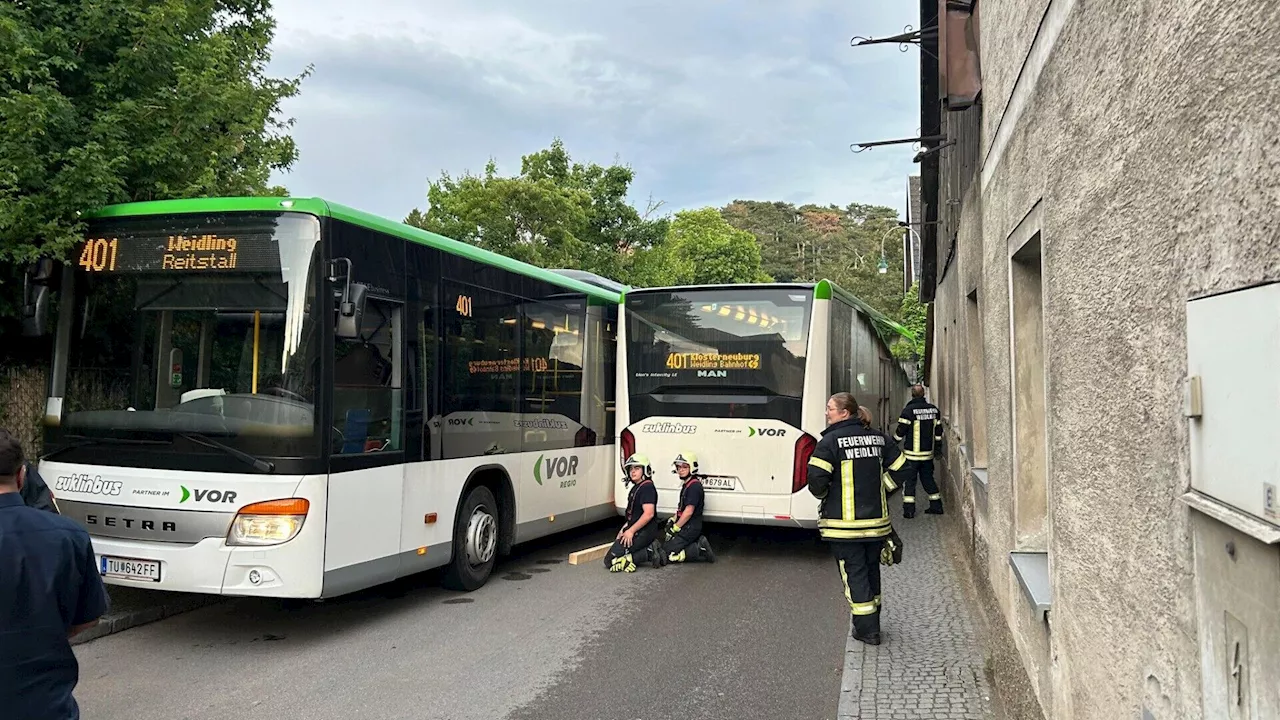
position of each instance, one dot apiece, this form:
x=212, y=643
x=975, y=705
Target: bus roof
x=323, y=208
x=822, y=290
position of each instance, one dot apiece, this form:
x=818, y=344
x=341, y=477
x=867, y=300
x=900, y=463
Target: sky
x=709, y=101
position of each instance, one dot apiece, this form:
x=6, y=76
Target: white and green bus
x=291, y=398
x=739, y=375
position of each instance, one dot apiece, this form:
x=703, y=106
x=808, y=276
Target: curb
x=114, y=622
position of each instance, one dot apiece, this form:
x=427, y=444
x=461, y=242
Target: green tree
x=842, y=244
x=121, y=100
x=555, y=213
x=702, y=247
x=914, y=316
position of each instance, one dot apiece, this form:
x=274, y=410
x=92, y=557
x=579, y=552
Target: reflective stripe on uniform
x=850, y=509
x=909, y=498
x=852, y=524
x=935, y=496
x=866, y=608
x=897, y=464
x=915, y=435
x=820, y=463
x=836, y=534
x=917, y=456
x=888, y=482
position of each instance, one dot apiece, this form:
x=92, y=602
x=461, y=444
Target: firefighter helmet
x=686, y=458
x=637, y=460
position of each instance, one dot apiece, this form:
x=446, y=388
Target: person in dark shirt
x=36, y=493
x=684, y=539
x=640, y=539
x=50, y=591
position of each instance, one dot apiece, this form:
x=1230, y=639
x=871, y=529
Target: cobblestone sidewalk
x=929, y=665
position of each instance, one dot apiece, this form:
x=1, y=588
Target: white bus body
x=696, y=373
x=289, y=398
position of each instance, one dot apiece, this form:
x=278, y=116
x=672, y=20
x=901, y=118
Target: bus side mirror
x=351, y=311
x=35, y=298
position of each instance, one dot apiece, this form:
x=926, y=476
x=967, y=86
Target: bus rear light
x=585, y=437
x=627, y=446
x=268, y=523
x=805, y=445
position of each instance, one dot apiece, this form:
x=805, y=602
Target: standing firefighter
x=847, y=473
x=685, y=541
x=920, y=432
x=641, y=529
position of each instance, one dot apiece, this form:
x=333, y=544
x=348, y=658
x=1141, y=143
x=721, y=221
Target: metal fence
x=22, y=404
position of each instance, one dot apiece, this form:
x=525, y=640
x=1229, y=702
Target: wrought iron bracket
x=926, y=153
x=908, y=36
x=924, y=140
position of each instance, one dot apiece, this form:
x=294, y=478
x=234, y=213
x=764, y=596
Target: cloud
x=709, y=101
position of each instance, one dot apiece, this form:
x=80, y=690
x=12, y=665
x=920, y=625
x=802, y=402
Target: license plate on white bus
x=718, y=483
x=130, y=568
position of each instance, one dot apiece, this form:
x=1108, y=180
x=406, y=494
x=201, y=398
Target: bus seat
x=355, y=430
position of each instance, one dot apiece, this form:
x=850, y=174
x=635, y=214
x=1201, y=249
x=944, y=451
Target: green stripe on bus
x=322, y=208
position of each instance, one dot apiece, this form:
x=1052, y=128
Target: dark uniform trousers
x=859, y=563
x=683, y=546
x=922, y=469
x=639, y=545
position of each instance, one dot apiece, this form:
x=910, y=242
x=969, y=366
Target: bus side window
x=367, y=384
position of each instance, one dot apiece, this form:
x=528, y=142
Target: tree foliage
x=556, y=213
x=123, y=100
x=811, y=242
x=702, y=247
x=914, y=316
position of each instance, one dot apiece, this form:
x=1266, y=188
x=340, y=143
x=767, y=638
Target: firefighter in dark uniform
x=847, y=473
x=920, y=432
x=640, y=539
x=684, y=539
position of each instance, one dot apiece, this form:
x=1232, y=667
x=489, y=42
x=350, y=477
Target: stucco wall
x=1149, y=141
x=1007, y=29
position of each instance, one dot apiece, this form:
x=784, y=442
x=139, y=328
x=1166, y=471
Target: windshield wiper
x=84, y=440
x=258, y=463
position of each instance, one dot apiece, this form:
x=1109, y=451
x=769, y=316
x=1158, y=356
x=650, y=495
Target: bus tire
x=476, y=532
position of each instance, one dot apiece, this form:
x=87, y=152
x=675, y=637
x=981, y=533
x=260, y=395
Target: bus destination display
x=179, y=253
x=713, y=361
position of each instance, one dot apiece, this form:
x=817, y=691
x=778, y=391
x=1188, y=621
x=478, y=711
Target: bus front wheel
x=475, y=541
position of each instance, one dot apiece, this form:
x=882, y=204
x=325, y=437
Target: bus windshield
x=731, y=352
x=191, y=332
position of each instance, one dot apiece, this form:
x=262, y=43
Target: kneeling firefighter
x=684, y=539
x=641, y=529
x=847, y=473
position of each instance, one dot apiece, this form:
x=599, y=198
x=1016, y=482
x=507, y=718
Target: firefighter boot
x=656, y=555
x=935, y=505
x=704, y=549
x=908, y=507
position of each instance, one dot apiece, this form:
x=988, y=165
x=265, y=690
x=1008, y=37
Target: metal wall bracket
x=923, y=140
x=907, y=37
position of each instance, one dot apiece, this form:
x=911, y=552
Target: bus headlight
x=268, y=523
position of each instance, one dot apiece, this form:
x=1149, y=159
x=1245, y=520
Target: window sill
x=1227, y=515
x=1032, y=569
x=979, y=486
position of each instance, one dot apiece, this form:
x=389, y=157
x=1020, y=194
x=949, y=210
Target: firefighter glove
x=891, y=552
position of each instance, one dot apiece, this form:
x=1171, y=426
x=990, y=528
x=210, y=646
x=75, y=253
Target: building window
x=976, y=382
x=1030, y=430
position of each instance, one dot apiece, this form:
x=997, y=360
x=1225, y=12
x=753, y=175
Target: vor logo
x=766, y=432
x=564, y=467
x=203, y=495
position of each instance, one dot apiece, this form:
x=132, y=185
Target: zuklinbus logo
x=83, y=483
x=668, y=428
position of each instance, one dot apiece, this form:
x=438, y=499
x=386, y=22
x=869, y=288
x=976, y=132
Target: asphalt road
x=759, y=634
